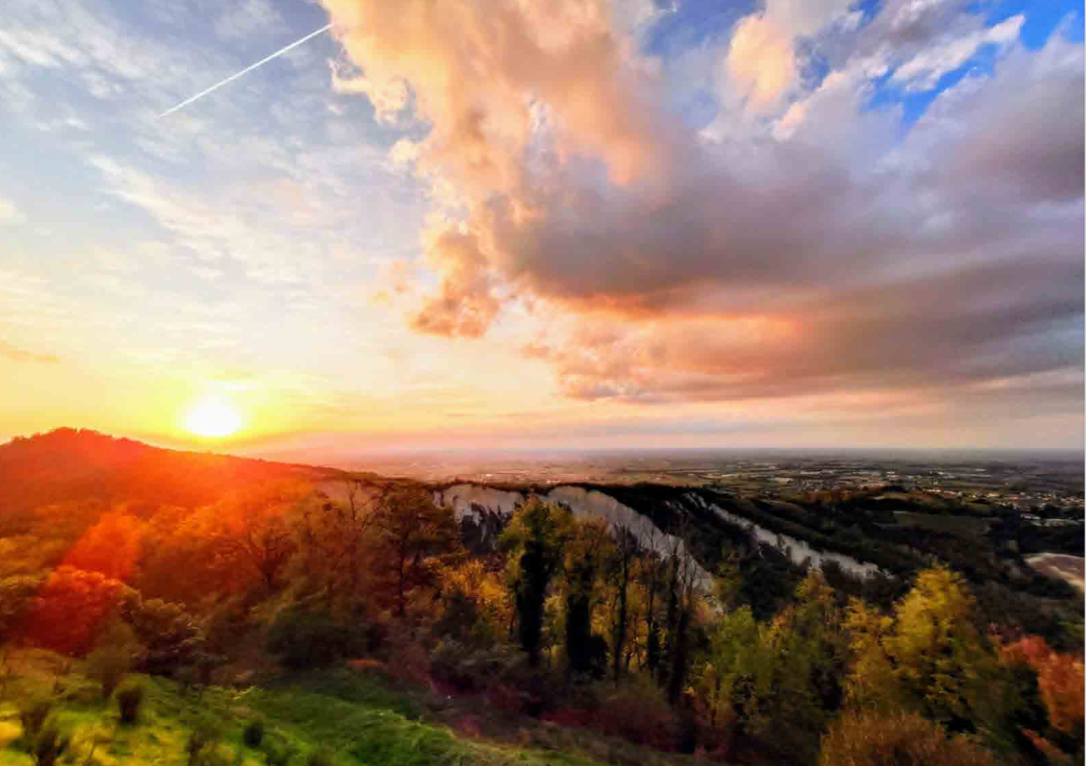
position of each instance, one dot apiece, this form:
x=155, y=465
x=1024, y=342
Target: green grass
x=360, y=719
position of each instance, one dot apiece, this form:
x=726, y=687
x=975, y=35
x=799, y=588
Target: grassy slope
x=364, y=723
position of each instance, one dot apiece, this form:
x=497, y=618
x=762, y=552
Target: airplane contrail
x=246, y=70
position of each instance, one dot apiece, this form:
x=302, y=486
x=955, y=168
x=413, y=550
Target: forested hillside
x=612, y=624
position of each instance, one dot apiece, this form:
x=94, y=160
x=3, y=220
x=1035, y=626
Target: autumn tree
x=872, y=683
x=780, y=677
x=650, y=579
x=927, y=656
x=535, y=539
x=937, y=651
x=619, y=574
x=334, y=535
x=112, y=546
x=475, y=605
x=682, y=597
x=1054, y=682
x=410, y=530
x=587, y=553
x=734, y=668
x=17, y=597
x=256, y=533
x=72, y=609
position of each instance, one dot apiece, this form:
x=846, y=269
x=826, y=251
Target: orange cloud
x=13, y=354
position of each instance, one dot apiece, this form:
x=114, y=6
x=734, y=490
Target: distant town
x=1046, y=490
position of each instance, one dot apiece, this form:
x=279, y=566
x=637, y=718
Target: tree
x=733, y=665
x=535, y=538
x=587, y=552
x=870, y=739
x=781, y=676
x=1051, y=687
x=115, y=655
x=926, y=657
x=73, y=607
x=619, y=574
x=261, y=537
x=872, y=683
x=475, y=605
x=171, y=636
x=410, y=530
x=112, y=547
x=17, y=597
x=682, y=597
x=937, y=652
x=334, y=537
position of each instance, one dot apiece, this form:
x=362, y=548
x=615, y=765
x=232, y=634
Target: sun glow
x=213, y=418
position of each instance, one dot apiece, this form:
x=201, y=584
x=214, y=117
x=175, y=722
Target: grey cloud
x=941, y=263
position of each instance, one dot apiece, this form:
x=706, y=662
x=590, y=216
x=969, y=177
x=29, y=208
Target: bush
x=33, y=716
x=253, y=734
x=466, y=669
x=112, y=658
x=638, y=712
x=904, y=739
x=129, y=701
x=308, y=639
x=320, y=757
x=278, y=753
x=201, y=740
x=49, y=745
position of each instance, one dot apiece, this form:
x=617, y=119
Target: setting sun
x=213, y=418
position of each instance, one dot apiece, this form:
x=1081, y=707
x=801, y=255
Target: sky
x=544, y=223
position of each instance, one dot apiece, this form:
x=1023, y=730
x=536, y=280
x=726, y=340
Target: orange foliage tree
x=73, y=607
x=111, y=547
x=1060, y=680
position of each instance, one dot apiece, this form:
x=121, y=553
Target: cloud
x=9, y=214
x=822, y=254
x=923, y=71
x=13, y=354
x=247, y=19
x=763, y=61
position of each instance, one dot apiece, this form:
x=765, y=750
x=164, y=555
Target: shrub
x=171, y=636
x=456, y=664
x=904, y=739
x=278, y=753
x=307, y=639
x=49, y=745
x=638, y=712
x=201, y=739
x=320, y=757
x=112, y=658
x=129, y=701
x=253, y=734
x=33, y=716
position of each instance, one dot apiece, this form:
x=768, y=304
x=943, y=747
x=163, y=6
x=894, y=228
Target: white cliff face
x=486, y=508
x=798, y=551
x=593, y=504
x=476, y=501
x=468, y=499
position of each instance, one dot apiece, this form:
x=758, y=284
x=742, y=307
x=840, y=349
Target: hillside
x=70, y=464
x=403, y=622
x=353, y=714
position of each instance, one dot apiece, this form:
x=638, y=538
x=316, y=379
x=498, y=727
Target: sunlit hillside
x=173, y=607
